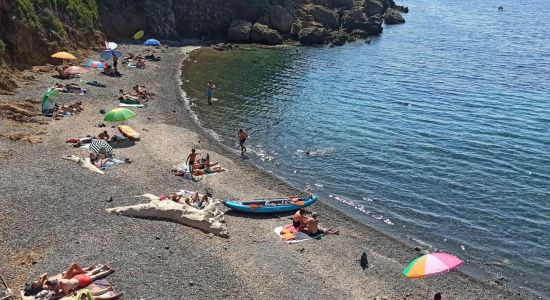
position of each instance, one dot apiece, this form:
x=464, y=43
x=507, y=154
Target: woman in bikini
x=71, y=280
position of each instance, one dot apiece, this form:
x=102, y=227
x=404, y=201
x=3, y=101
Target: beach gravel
x=52, y=212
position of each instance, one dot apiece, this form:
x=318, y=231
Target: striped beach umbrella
x=101, y=146
x=431, y=265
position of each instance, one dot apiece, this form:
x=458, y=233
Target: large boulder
x=265, y=35
x=373, y=26
x=239, y=31
x=325, y=16
x=338, y=38
x=264, y=20
x=347, y=4
x=373, y=7
x=313, y=36
x=400, y=8
x=280, y=18
x=295, y=28
x=392, y=16
x=356, y=19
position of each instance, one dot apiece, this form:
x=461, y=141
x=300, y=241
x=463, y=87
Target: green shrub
x=51, y=22
x=83, y=13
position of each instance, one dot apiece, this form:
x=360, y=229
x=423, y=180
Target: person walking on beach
x=191, y=161
x=242, y=138
x=115, y=64
x=210, y=88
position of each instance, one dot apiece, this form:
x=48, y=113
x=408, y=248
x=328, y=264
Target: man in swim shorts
x=191, y=161
x=242, y=138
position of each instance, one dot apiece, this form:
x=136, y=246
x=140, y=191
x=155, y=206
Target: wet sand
x=52, y=212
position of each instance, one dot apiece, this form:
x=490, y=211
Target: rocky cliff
x=30, y=30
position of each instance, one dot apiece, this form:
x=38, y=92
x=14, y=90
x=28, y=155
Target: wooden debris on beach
x=208, y=219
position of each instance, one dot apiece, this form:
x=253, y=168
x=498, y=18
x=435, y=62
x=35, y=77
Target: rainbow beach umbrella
x=94, y=64
x=431, y=265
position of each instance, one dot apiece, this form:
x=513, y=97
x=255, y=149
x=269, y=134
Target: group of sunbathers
x=196, y=200
x=308, y=222
x=68, y=282
x=138, y=94
x=138, y=61
x=202, y=166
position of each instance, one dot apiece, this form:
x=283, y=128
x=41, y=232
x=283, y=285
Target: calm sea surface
x=438, y=132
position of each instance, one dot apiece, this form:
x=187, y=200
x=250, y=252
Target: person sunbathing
x=100, y=160
x=211, y=167
x=196, y=200
x=62, y=73
x=175, y=197
x=310, y=225
x=140, y=63
x=66, y=283
x=104, y=136
x=127, y=96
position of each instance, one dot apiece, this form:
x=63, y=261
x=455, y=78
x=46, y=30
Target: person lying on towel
x=66, y=283
x=310, y=223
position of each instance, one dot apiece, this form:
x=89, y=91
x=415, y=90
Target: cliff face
x=32, y=29
x=179, y=18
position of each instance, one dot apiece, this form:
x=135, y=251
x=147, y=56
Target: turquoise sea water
x=438, y=132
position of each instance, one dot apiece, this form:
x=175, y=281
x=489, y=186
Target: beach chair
x=5, y=292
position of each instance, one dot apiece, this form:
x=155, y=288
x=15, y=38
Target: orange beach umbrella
x=63, y=55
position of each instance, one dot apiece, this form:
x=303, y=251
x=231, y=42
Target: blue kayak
x=271, y=206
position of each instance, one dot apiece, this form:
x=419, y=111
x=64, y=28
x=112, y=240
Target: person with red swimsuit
x=71, y=280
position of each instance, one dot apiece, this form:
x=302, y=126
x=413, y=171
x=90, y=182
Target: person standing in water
x=242, y=138
x=210, y=88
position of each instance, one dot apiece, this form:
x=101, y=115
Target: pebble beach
x=52, y=212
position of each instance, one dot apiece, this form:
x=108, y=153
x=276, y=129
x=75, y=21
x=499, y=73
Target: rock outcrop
x=313, y=36
x=280, y=18
x=30, y=30
x=325, y=16
x=373, y=7
x=356, y=19
x=339, y=38
x=239, y=31
x=265, y=35
x=392, y=16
